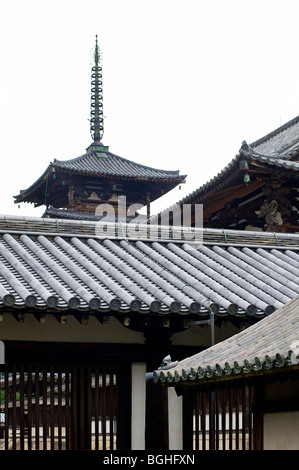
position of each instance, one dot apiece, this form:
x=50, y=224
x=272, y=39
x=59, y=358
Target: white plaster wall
x=138, y=405
x=197, y=336
x=281, y=431
x=73, y=331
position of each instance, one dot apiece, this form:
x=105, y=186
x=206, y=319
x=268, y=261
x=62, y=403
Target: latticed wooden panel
x=224, y=420
x=58, y=407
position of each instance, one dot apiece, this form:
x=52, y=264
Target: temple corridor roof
x=263, y=348
x=59, y=265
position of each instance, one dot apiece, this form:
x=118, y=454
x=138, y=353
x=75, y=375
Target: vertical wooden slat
x=244, y=417
x=87, y=419
x=67, y=407
x=111, y=407
x=223, y=419
x=203, y=421
x=21, y=420
x=52, y=408
x=237, y=417
x=250, y=397
x=81, y=415
x=196, y=417
x=37, y=414
x=74, y=412
x=216, y=419
x=59, y=407
x=14, y=408
x=211, y=421
x=44, y=408
x=104, y=388
x=29, y=408
x=258, y=419
x=115, y=401
x=6, y=408
x=2, y=403
x=230, y=419
x=96, y=407
x=189, y=400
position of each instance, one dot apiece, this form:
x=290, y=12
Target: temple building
x=250, y=379
x=85, y=313
x=73, y=189
x=258, y=189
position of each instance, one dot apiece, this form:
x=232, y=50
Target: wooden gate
x=48, y=407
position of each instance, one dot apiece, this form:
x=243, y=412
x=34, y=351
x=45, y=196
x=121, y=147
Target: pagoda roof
x=109, y=164
x=98, y=161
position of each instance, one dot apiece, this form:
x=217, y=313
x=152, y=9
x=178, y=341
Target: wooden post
x=156, y=429
x=188, y=403
x=148, y=203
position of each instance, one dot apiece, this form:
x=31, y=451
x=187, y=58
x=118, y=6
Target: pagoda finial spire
x=97, y=120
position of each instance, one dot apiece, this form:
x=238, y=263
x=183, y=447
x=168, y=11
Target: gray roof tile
x=282, y=141
x=275, y=149
x=112, y=165
x=60, y=264
x=269, y=344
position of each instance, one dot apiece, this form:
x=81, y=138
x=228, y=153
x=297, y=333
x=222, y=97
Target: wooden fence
x=225, y=420
x=58, y=407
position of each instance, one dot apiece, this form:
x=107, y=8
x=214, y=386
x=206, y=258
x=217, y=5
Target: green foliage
x=2, y=396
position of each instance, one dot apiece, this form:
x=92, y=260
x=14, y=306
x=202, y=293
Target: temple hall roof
x=63, y=265
x=278, y=149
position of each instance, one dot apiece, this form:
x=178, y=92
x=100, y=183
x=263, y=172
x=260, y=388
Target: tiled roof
x=276, y=149
x=107, y=163
x=269, y=344
x=55, y=213
x=282, y=141
x=61, y=264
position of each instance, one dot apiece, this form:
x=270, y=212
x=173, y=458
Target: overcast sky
x=185, y=82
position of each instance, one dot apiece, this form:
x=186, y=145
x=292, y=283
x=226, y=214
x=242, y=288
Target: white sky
x=185, y=82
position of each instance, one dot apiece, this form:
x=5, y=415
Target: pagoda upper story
x=75, y=188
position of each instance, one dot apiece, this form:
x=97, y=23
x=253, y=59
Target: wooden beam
x=235, y=193
x=41, y=317
x=61, y=318
x=19, y=316
x=83, y=319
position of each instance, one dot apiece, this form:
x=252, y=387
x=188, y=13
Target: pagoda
x=76, y=188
